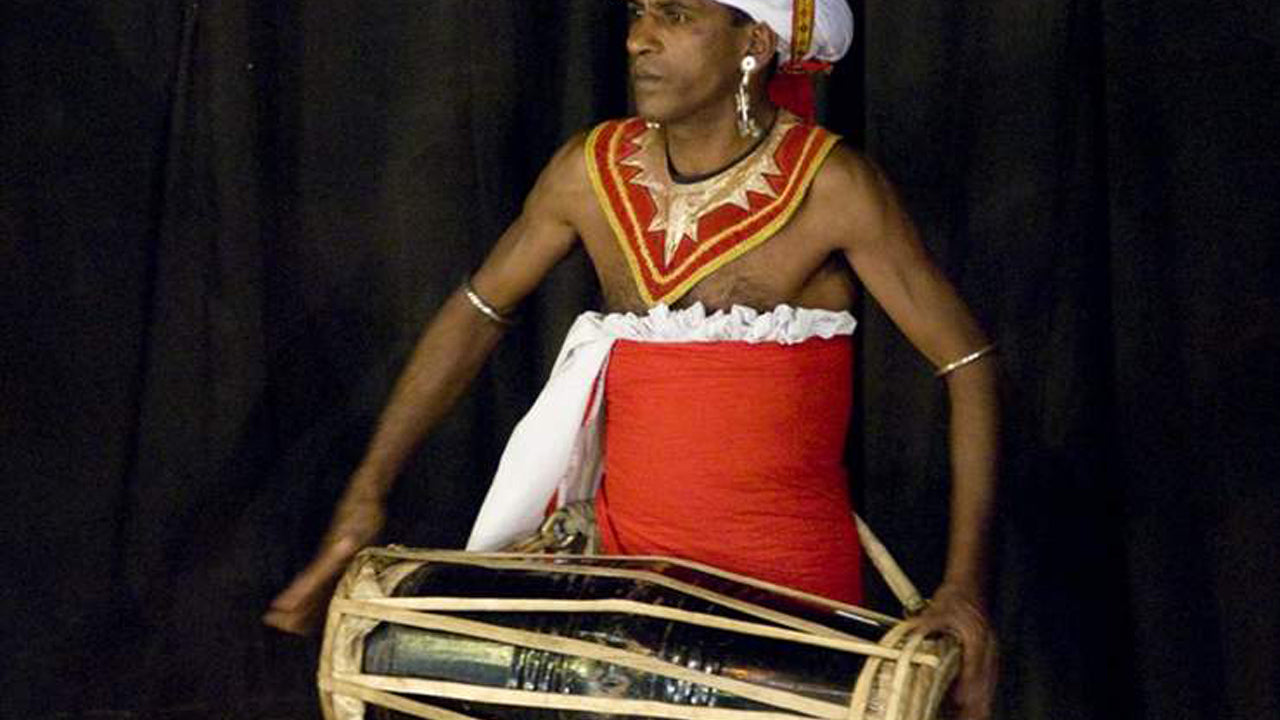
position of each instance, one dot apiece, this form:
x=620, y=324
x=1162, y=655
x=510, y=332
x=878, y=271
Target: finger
x=295, y=623
x=317, y=575
x=941, y=623
x=985, y=684
x=279, y=620
x=962, y=690
x=921, y=627
x=977, y=687
x=972, y=665
x=304, y=616
x=929, y=624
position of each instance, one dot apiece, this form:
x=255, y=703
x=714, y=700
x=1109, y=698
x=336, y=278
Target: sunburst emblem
x=681, y=205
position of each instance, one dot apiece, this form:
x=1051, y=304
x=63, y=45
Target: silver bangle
x=484, y=307
x=966, y=360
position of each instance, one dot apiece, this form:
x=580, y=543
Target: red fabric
x=732, y=454
x=724, y=231
x=791, y=88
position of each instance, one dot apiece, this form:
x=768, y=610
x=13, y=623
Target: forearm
x=445, y=361
x=974, y=441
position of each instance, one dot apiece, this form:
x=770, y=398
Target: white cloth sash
x=555, y=450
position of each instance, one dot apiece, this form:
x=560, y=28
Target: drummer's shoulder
x=848, y=174
x=563, y=188
x=565, y=178
x=592, y=145
x=852, y=194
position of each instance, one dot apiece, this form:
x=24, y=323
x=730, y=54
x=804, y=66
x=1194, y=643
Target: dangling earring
x=747, y=126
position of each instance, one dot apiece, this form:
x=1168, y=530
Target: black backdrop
x=222, y=225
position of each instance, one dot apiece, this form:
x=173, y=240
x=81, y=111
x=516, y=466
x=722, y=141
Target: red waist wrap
x=732, y=454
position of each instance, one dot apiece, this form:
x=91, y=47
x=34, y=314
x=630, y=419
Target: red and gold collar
x=676, y=234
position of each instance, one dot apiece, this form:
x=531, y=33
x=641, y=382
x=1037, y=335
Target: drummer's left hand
x=960, y=612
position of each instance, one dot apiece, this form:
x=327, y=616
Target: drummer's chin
x=653, y=119
x=650, y=107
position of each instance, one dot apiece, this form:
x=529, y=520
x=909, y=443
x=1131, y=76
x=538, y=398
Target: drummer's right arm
x=447, y=357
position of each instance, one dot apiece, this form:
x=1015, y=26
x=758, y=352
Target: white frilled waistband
x=555, y=450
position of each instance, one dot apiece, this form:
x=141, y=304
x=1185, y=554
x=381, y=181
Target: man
x=718, y=214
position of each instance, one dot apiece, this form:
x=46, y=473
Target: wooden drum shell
x=899, y=676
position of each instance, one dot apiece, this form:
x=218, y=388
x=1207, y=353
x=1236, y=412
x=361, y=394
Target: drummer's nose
x=642, y=31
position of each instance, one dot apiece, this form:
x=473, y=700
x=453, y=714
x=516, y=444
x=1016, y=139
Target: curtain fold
x=989, y=120
x=223, y=225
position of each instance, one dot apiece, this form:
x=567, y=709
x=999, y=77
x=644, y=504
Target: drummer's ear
x=762, y=43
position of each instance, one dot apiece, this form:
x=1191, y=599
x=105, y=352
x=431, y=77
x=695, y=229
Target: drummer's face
x=684, y=57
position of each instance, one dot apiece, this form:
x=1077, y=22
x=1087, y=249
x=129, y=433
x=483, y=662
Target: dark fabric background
x=222, y=225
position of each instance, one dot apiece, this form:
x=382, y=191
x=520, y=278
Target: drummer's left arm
x=883, y=247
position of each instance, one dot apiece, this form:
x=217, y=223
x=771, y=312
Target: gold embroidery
x=672, y=244
x=802, y=20
x=681, y=206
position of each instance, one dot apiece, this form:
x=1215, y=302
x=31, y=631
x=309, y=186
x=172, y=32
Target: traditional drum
x=456, y=636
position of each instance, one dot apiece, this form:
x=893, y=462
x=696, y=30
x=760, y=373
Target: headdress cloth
x=812, y=35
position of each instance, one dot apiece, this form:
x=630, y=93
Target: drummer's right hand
x=357, y=521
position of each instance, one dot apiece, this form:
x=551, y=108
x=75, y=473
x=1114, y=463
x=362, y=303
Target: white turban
x=832, y=32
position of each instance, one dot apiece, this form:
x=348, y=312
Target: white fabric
x=832, y=32
x=556, y=446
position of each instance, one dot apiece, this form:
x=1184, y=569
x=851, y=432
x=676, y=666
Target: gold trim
x=710, y=244
x=618, y=181
x=783, y=205
x=602, y=196
x=763, y=234
x=802, y=21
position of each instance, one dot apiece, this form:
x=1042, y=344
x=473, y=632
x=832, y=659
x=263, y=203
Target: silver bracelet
x=484, y=307
x=972, y=357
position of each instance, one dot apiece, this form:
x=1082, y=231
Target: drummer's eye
x=675, y=14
